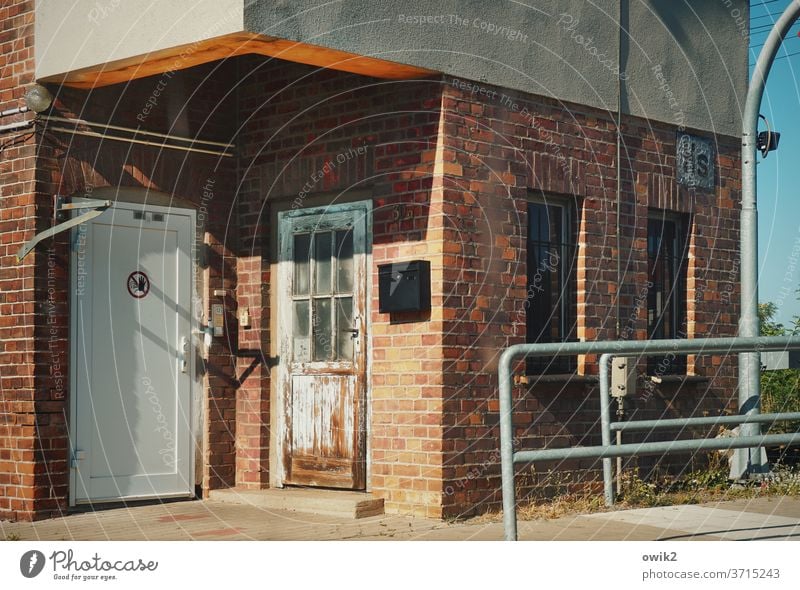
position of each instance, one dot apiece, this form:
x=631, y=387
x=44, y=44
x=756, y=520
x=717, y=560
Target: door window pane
x=301, y=246
x=323, y=346
x=344, y=261
x=344, y=323
x=322, y=263
x=300, y=331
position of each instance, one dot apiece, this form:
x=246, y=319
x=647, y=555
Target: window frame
x=566, y=297
x=677, y=294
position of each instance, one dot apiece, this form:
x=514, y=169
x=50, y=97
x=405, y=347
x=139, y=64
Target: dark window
x=551, y=297
x=666, y=296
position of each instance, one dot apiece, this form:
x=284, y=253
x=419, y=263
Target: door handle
x=184, y=354
x=353, y=331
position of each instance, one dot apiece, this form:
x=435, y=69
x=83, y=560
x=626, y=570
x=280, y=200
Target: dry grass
x=562, y=506
x=698, y=487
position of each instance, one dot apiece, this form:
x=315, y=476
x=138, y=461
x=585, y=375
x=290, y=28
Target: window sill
x=587, y=379
x=555, y=378
x=682, y=379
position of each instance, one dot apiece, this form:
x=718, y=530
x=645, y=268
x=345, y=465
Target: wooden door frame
x=278, y=416
x=195, y=380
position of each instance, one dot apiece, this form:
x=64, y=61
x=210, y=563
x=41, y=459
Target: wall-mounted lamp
x=38, y=98
x=767, y=141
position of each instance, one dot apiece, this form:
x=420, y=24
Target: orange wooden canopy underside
x=186, y=56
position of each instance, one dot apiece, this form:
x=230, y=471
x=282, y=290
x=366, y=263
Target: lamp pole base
x=749, y=464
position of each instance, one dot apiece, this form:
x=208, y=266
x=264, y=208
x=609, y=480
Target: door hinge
x=76, y=456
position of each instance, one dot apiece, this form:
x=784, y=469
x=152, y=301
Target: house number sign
x=695, y=161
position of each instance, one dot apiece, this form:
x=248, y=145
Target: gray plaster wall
x=683, y=62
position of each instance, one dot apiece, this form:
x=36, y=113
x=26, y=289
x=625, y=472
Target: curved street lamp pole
x=748, y=462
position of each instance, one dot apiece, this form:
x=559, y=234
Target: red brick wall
x=76, y=165
x=459, y=202
x=295, y=119
x=506, y=146
x=448, y=173
x=32, y=458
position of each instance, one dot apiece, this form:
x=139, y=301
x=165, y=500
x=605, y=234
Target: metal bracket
x=97, y=206
x=63, y=205
x=623, y=376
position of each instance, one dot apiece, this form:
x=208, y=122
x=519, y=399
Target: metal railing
x=607, y=450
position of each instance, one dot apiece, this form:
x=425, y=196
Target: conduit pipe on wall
x=136, y=131
x=16, y=126
x=166, y=137
x=14, y=111
x=618, y=331
x=141, y=141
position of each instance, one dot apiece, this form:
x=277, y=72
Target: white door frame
x=195, y=379
x=278, y=440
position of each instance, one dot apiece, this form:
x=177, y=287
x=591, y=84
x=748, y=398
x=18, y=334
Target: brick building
x=253, y=169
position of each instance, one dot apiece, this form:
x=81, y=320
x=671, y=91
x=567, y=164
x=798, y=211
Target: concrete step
x=341, y=503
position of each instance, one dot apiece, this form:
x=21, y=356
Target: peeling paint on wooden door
x=322, y=331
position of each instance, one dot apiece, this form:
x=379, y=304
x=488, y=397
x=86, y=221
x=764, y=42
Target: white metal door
x=132, y=355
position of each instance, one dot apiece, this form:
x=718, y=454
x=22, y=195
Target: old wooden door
x=322, y=325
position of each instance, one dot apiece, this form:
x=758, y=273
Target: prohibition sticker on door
x=138, y=284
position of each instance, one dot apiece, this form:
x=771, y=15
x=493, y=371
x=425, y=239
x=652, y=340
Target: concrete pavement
x=762, y=518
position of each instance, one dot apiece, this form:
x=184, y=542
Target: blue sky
x=779, y=173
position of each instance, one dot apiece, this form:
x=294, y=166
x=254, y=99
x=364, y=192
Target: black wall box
x=404, y=286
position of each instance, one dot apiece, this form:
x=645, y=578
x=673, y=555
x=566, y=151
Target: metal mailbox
x=404, y=286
